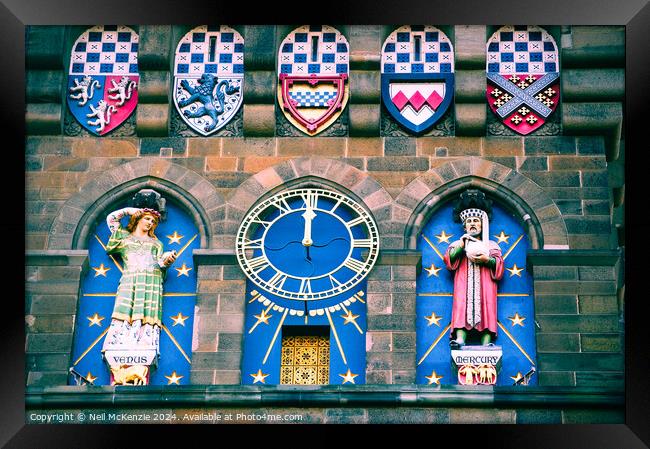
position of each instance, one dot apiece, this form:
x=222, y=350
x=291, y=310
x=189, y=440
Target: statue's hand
x=170, y=259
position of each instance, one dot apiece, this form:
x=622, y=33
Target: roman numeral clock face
x=307, y=245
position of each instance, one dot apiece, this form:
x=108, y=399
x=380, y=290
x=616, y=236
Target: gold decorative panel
x=305, y=360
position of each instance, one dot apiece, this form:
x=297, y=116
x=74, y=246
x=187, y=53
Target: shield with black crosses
x=209, y=77
x=523, y=78
x=417, y=76
x=313, y=66
x=103, y=78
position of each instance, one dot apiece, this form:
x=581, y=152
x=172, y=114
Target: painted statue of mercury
x=477, y=264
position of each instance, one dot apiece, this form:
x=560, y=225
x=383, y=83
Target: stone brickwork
x=566, y=185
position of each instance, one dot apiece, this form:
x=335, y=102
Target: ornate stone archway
x=199, y=197
x=538, y=213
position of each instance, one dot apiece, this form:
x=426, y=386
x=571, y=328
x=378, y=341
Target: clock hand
x=325, y=244
x=282, y=247
x=308, y=257
x=309, y=215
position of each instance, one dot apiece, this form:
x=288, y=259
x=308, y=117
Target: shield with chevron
x=417, y=76
x=313, y=66
x=523, y=80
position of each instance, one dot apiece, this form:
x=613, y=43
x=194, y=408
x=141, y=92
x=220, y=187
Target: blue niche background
x=515, y=301
x=97, y=299
x=263, y=338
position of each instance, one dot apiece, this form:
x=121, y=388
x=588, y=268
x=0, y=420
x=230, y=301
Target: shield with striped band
x=523, y=78
x=417, y=76
x=313, y=68
x=103, y=77
x=209, y=77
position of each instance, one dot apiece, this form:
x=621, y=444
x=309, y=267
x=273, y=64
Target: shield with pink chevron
x=417, y=76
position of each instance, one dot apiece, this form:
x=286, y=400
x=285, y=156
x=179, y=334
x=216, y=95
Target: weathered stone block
x=155, y=47
x=532, y=416
x=556, y=179
x=365, y=146
x=364, y=120
x=399, y=146
x=470, y=46
x=229, y=342
x=558, y=342
x=601, y=342
x=580, y=361
x=593, y=84
x=403, y=341
x=346, y=416
x=549, y=145
x=569, y=207
x=593, y=416
x=219, y=163
x=43, y=86
x=365, y=46
x=227, y=377
x=597, y=304
x=379, y=303
x=260, y=86
x=503, y=146
x=600, y=379
x=591, y=145
x=578, y=323
x=557, y=378
x=556, y=304
x=43, y=362
x=588, y=45
x=555, y=273
x=379, y=341
x=201, y=377
x=481, y=416
x=577, y=162
x=262, y=39
x=44, y=47
x=53, y=304
x=395, y=163
x=588, y=224
x=259, y=120
x=306, y=146
x=597, y=273
x=43, y=118
x=151, y=120
x=471, y=118
x=470, y=86
x=154, y=87
x=51, y=342
x=365, y=86
x=231, y=303
x=391, y=322
x=249, y=147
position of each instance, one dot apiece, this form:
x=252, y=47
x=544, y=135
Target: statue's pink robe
x=489, y=278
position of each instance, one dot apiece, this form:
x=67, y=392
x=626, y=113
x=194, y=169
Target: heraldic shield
x=313, y=65
x=523, y=79
x=103, y=78
x=209, y=77
x=417, y=76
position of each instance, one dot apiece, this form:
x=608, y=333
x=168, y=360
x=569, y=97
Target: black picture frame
x=15, y=14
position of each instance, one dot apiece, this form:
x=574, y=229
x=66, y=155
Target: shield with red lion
x=313, y=67
x=103, y=79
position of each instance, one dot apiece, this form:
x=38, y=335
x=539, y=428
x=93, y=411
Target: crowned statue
x=131, y=347
x=477, y=264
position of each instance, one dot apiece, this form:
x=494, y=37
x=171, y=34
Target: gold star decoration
x=433, y=319
x=183, y=271
x=349, y=318
x=90, y=378
x=515, y=270
x=432, y=270
x=95, y=320
x=263, y=317
x=179, y=319
x=259, y=377
x=444, y=237
x=502, y=238
x=516, y=378
x=348, y=377
x=173, y=378
x=101, y=270
x=433, y=378
x=175, y=238
x=517, y=320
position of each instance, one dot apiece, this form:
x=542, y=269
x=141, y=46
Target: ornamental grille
x=305, y=360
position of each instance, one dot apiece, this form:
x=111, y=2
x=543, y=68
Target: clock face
x=307, y=244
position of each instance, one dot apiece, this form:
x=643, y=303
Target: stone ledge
x=56, y=257
x=408, y=257
x=320, y=396
x=214, y=257
x=574, y=257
